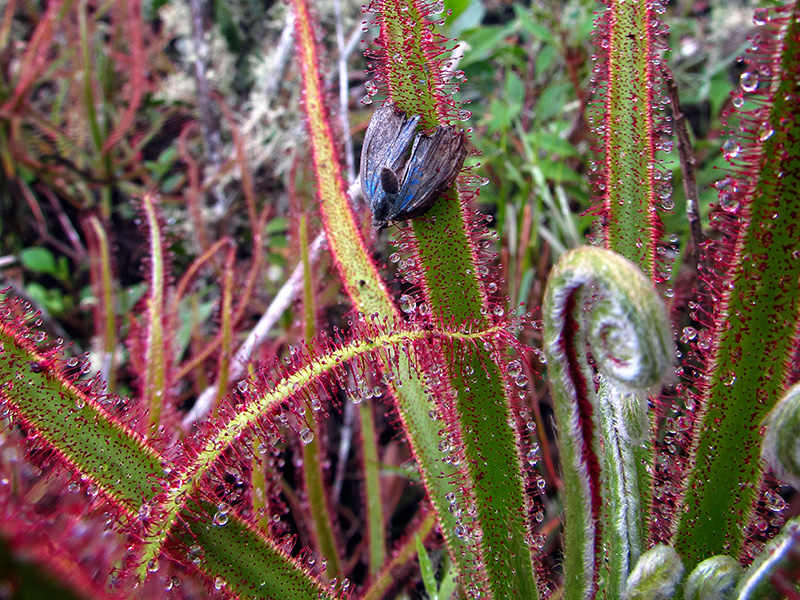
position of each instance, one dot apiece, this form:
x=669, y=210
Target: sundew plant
x=573, y=376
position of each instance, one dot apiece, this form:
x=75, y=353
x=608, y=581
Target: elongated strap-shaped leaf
x=631, y=185
x=370, y=296
x=757, y=316
x=445, y=249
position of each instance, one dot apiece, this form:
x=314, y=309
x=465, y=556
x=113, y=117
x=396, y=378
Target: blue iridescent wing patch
x=399, y=186
x=434, y=165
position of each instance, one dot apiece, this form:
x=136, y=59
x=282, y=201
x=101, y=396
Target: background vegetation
x=104, y=103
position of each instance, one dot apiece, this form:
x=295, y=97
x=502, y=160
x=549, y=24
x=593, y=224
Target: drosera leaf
x=240, y=559
x=753, y=274
x=261, y=397
x=600, y=300
x=370, y=297
x=72, y=419
x=450, y=272
x=628, y=130
x=69, y=419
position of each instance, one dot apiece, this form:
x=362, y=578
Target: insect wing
x=434, y=164
x=386, y=143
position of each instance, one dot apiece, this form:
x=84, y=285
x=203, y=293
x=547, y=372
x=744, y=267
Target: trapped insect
x=399, y=185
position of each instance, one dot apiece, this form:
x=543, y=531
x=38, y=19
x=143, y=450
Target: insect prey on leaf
x=397, y=184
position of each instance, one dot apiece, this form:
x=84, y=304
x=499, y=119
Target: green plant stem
x=372, y=485
x=313, y=475
x=321, y=513
x=155, y=383
x=404, y=554
x=259, y=494
x=226, y=333
x=88, y=70
x=109, y=331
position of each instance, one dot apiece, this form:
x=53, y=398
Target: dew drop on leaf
x=306, y=435
x=407, y=303
x=749, y=81
x=514, y=369
x=774, y=502
x=220, y=518
x=760, y=17
x=729, y=200
x=731, y=148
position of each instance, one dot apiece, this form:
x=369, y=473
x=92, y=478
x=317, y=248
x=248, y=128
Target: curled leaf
x=781, y=445
x=713, y=579
x=655, y=575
